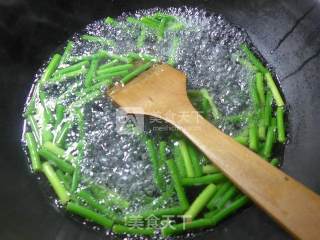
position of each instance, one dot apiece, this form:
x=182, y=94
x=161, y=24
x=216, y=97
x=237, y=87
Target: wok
x=287, y=33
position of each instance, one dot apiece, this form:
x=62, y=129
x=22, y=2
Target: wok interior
x=291, y=46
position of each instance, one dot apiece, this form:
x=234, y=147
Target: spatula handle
x=289, y=202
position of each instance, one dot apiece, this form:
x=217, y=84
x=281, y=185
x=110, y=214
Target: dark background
x=287, y=32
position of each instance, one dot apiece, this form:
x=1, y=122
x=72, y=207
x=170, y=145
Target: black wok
x=287, y=32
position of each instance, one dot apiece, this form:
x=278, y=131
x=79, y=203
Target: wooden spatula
x=161, y=92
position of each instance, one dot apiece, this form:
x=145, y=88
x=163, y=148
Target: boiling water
x=207, y=53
